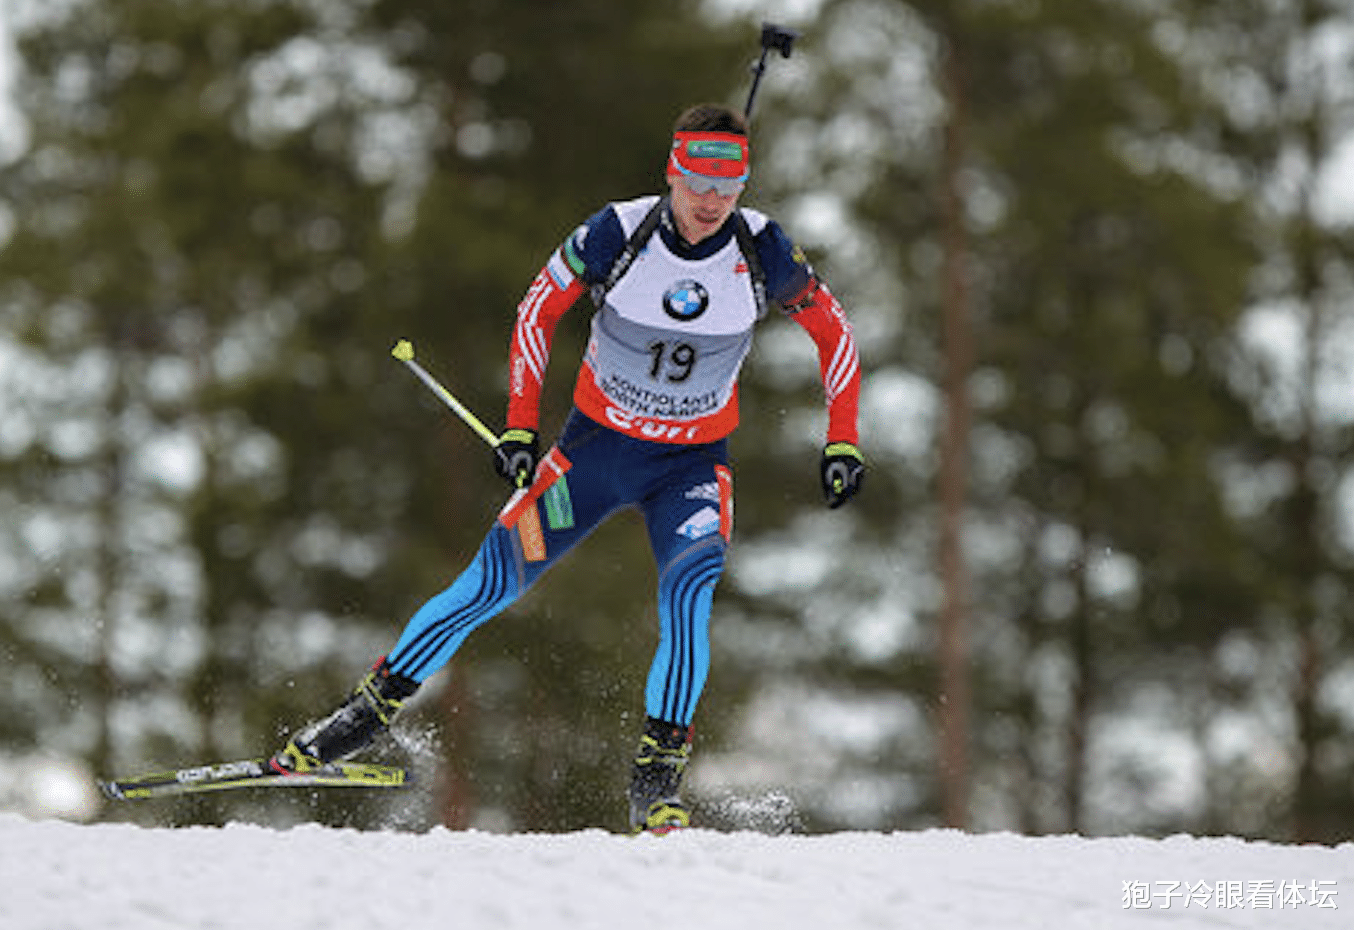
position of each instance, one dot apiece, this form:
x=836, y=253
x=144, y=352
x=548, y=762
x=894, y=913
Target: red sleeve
x=823, y=319
x=537, y=315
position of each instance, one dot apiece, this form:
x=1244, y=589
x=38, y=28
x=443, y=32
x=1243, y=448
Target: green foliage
x=222, y=499
x=210, y=214
x=1106, y=277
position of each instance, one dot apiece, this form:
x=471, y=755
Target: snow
x=58, y=875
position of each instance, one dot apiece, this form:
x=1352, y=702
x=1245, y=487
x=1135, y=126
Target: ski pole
x=404, y=351
x=773, y=36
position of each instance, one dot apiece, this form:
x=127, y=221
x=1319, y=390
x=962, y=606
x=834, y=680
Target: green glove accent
x=842, y=471
x=516, y=455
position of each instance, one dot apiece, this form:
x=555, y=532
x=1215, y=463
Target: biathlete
x=679, y=283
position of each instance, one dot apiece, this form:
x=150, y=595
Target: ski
x=253, y=773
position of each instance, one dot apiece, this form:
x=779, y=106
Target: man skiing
x=679, y=283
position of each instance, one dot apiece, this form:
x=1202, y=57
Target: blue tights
x=684, y=495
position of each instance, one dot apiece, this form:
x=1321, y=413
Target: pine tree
x=227, y=215
x=1101, y=281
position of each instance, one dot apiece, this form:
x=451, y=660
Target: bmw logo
x=686, y=300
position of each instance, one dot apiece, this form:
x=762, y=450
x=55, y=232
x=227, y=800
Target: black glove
x=843, y=470
x=516, y=455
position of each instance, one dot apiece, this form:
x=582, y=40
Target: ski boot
x=368, y=711
x=655, y=806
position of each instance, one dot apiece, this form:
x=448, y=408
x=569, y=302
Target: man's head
x=707, y=168
x=711, y=117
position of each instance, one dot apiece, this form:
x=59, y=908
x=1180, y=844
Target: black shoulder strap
x=633, y=246
x=755, y=270
x=645, y=230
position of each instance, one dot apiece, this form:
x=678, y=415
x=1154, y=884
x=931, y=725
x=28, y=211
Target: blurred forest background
x=1099, y=260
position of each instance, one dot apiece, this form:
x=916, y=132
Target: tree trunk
x=1081, y=644
x=454, y=798
x=109, y=560
x=954, y=465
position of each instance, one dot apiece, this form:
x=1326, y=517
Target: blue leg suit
x=685, y=496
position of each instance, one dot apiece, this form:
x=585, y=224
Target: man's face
x=699, y=216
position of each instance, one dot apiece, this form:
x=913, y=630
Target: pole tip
x=404, y=350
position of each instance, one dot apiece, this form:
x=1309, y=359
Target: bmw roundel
x=686, y=300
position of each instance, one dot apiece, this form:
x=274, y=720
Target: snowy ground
x=57, y=875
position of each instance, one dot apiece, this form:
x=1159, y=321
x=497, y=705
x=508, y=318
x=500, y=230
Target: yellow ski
x=253, y=773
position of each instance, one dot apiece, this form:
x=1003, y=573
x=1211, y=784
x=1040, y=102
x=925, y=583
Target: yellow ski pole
x=404, y=351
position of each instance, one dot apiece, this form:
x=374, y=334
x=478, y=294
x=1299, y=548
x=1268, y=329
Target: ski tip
x=404, y=350
x=120, y=791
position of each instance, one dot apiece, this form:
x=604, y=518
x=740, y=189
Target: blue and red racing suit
x=655, y=400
